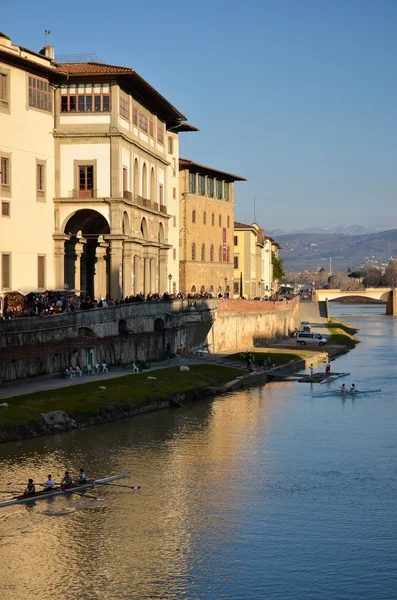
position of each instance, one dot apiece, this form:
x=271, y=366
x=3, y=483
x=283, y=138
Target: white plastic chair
x=97, y=368
x=104, y=368
x=79, y=372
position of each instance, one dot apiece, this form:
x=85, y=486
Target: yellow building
x=206, y=216
x=249, y=260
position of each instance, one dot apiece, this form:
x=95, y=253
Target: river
x=267, y=493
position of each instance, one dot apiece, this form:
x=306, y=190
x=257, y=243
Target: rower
x=49, y=484
x=67, y=481
x=81, y=477
x=30, y=489
x=343, y=388
x=353, y=388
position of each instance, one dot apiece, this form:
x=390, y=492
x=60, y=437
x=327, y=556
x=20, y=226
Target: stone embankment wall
x=138, y=332
x=249, y=323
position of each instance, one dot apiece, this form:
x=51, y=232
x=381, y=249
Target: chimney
x=48, y=51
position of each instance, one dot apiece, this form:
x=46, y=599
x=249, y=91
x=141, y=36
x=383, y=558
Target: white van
x=304, y=337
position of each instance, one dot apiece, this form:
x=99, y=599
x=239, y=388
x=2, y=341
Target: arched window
x=152, y=186
x=144, y=181
x=228, y=222
x=212, y=253
x=193, y=289
x=228, y=254
x=213, y=219
x=193, y=251
x=203, y=253
x=220, y=254
x=220, y=220
x=205, y=218
x=136, y=178
x=193, y=216
x=202, y=289
x=211, y=289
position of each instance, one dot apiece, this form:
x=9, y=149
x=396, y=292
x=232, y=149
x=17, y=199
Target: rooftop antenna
x=47, y=33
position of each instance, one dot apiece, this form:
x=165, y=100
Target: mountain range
x=336, y=252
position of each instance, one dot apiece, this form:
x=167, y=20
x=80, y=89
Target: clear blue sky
x=298, y=96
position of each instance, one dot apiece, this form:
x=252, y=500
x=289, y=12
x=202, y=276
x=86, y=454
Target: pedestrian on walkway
x=328, y=368
x=311, y=371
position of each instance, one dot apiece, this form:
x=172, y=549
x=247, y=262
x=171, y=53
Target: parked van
x=304, y=337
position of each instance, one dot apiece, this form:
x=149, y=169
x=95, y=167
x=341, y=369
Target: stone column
x=153, y=273
x=138, y=287
x=127, y=269
x=163, y=275
x=100, y=269
x=116, y=257
x=146, y=276
x=59, y=254
x=79, y=249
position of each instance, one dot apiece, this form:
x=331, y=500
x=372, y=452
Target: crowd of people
x=50, y=303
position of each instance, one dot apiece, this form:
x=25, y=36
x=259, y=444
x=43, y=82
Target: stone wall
x=248, y=323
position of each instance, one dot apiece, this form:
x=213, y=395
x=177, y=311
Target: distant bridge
x=386, y=295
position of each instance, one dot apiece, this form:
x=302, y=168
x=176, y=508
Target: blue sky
x=298, y=96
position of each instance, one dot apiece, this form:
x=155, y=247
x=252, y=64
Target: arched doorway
x=85, y=228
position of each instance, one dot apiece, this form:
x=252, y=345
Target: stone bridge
x=386, y=295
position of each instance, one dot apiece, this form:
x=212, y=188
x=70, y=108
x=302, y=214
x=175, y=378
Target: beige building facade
x=206, y=214
x=89, y=177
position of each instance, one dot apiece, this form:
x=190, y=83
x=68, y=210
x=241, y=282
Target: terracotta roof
x=185, y=127
x=92, y=68
x=238, y=225
x=186, y=163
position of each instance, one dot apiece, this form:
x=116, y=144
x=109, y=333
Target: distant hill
x=311, y=251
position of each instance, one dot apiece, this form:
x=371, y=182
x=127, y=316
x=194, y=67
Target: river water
x=263, y=494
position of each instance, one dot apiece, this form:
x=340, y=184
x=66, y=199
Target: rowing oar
x=130, y=487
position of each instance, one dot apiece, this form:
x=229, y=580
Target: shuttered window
x=41, y=272
x=6, y=271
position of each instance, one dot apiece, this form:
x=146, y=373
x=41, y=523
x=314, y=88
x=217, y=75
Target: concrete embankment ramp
x=314, y=312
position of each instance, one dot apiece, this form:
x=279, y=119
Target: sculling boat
x=345, y=393
x=58, y=492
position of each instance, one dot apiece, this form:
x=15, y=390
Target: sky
x=298, y=96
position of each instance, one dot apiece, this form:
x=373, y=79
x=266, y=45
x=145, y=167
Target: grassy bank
x=342, y=333
x=121, y=394
x=270, y=357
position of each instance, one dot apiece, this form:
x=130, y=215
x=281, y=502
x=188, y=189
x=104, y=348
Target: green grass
x=276, y=358
x=342, y=333
x=122, y=393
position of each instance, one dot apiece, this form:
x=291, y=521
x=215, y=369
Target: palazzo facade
x=89, y=177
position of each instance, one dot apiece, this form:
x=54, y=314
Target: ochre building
x=206, y=216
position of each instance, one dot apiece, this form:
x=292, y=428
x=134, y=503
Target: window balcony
x=84, y=193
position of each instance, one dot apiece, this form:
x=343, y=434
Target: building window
x=143, y=122
x=201, y=185
x=135, y=116
x=160, y=133
x=4, y=90
x=236, y=262
x=212, y=253
x=174, y=193
x=228, y=254
x=174, y=253
x=161, y=194
x=192, y=183
x=5, y=209
x=151, y=127
x=174, y=221
x=3, y=86
x=235, y=240
x=40, y=180
x=5, y=174
x=226, y=189
x=41, y=272
x=170, y=145
x=86, y=181
x=124, y=108
x=210, y=187
x=40, y=94
x=6, y=271
x=205, y=218
x=85, y=97
x=236, y=287
x=213, y=219
x=220, y=220
x=220, y=254
x=203, y=253
x=219, y=189
x=228, y=222
x=193, y=216
x=193, y=251
x=125, y=179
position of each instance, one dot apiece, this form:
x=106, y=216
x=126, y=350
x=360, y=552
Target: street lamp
x=169, y=283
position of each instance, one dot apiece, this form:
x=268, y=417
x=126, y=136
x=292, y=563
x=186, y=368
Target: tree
x=278, y=271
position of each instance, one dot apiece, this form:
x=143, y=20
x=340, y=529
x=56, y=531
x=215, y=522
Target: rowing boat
x=58, y=492
x=344, y=393
x=329, y=378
